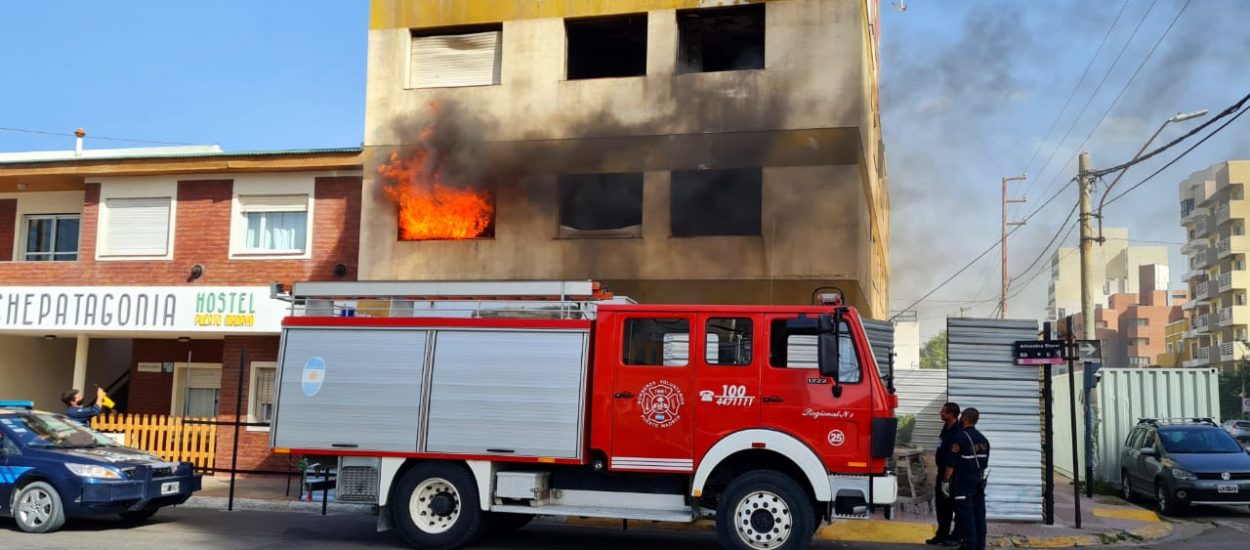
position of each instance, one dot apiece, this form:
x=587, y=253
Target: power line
x=63, y=134
x=1053, y=240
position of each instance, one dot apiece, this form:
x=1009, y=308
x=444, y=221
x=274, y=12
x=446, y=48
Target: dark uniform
x=973, y=458
x=83, y=414
x=944, y=504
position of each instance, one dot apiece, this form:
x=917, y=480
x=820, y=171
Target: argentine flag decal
x=314, y=374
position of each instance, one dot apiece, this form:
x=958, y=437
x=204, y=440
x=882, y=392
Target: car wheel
x=38, y=508
x=765, y=510
x=1126, y=490
x=436, y=506
x=1167, y=507
x=139, y=515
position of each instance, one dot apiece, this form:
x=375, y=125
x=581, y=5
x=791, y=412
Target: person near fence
x=943, y=505
x=965, y=481
x=76, y=410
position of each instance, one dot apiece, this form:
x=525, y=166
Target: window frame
x=178, y=385
x=707, y=332
x=239, y=222
x=56, y=218
x=103, y=250
x=252, y=395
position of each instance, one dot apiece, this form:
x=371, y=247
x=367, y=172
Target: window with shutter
x=136, y=227
x=451, y=60
x=261, y=392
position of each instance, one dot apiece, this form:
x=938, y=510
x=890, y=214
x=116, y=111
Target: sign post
x=1046, y=353
x=1090, y=353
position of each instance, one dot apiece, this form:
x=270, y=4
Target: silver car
x=1239, y=429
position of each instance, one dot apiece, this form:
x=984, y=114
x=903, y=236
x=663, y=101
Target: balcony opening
x=605, y=47
x=600, y=205
x=716, y=202
x=720, y=39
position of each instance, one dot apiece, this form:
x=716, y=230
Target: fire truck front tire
x=435, y=506
x=765, y=510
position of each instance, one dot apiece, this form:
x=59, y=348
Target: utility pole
x=1002, y=301
x=1087, y=243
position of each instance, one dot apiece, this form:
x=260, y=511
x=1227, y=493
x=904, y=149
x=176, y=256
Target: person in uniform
x=965, y=481
x=942, y=503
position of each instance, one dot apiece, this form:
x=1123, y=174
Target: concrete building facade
x=1115, y=266
x=147, y=272
x=679, y=151
x=1214, y=212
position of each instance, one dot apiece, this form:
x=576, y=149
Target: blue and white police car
x=52, y=467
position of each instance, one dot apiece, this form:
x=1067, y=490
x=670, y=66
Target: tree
x=933, y=355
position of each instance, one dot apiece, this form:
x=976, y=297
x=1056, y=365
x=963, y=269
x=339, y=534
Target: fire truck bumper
x=850, y=493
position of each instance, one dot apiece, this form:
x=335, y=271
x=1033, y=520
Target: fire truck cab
x=467, y=408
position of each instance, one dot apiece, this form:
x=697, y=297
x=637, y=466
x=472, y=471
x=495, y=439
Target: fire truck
x=464, y=409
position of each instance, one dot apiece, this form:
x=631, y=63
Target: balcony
x=1202, y=323
x=1236, y=244
x=1202, y=290
x=1203, y=225
x=1232, y=210
x=1203, y=358
x=1198, y=242
x=1235, y=315
x=1193, y=215
x=1231, y=280
x=1230, y=351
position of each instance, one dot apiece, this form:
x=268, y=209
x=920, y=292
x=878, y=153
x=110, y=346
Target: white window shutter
x=203, y=378
x=273, y=203
x=137, y=227
x=455, y=60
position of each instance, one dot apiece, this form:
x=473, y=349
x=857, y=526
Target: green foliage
x=933, y=354
x=1230, y=394
x=906, y=425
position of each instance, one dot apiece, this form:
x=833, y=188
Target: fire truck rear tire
x=765, y=510
x=435, y=506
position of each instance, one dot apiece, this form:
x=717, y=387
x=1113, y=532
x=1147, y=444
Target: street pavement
x=245, y=530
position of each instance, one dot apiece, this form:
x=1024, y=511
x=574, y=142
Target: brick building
x=1134, y=328
x=148, y=271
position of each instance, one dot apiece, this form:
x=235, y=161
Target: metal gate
x=982, y=373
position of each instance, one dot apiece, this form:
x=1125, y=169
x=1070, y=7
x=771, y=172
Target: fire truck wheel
x=436, y=506
x=765, y=510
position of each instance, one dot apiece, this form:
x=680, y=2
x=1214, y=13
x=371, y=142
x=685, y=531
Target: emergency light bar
x=17, y=404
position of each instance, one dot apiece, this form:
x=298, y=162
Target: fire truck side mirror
x=827, y=345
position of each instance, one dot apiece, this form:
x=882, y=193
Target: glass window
x=1148, y=441
x=797, y=349
x=200, y=402
x=262, y=391
x=656, y=342
x=38, y=429
x=1133, y=438
x=729, y=342
x=1198, y=441
x=276, y=231
x=52, y=237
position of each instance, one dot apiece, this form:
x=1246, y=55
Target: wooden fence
x=168, y=437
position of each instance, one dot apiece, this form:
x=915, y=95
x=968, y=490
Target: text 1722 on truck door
x=770, y=419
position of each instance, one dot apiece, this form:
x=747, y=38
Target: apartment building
x=679, y=151
x=147, y=272
x=1115, y=270
x=1214, y=213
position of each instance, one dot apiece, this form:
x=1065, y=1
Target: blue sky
x=969, y=89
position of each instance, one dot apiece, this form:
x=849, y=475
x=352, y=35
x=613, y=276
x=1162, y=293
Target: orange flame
x=429, y=209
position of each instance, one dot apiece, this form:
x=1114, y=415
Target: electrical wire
x=1046, y=249
x=63, y=134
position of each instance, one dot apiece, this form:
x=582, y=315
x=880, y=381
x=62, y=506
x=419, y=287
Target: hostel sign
x=175, y=309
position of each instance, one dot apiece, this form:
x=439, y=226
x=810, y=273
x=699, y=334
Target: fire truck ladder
x=457, y=299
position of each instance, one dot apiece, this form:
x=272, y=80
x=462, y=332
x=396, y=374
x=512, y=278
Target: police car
x=52, y=467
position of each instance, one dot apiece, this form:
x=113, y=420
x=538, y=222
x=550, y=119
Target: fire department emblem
x=661, y=403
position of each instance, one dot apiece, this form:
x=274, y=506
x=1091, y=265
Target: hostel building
x=147, y=271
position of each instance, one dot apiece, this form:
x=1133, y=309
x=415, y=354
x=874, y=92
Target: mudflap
x=384, y=519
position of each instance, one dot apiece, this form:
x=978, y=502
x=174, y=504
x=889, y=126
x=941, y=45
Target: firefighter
x=75, y=410
x=965, y=480
x=943, y=504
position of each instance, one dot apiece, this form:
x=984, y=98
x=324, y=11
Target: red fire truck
x=467, y=408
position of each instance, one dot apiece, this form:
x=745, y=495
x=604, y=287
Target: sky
x=971, y=90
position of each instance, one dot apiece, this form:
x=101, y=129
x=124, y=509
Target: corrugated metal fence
x=881, y=337
x=1124, y=396
x=921, y=393
x=982, y=373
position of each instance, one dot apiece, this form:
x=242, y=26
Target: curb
x=270, y=505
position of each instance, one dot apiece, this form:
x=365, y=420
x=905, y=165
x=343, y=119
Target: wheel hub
x=434, y=506
x=442, y=504
x=763, y=520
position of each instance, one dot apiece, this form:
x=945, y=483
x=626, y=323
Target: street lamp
x=1178, y=117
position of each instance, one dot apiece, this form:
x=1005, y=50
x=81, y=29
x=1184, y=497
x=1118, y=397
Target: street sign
x=1089, y=351
x=1039, y=352
x=1245, y=405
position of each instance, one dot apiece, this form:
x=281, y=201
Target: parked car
x=52, y=467
x=1240, y=430
x=1184, y=462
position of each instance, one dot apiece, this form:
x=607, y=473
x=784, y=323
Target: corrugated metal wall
x=1124, y=396
x=921, y=392
x=982, y=373
x=881, y=336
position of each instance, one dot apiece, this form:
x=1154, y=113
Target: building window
x=52, y=237
x=720, y=39
x=729, y=341
x=601, y=205
x=1139, y=341
x=137, y=227
x=1139, y=322
x=716, y=202
x=262, y=391
x=656, y=342
x=274, y=224
x=1139, y=361
x=196, y=390
x=604, y=47
x=469, y=57
x=1170, y=347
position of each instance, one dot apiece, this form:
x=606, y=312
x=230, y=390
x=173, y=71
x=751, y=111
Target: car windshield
x=36, y=429
x=1194, y=441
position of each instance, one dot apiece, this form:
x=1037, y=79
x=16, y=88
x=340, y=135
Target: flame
x=430, y=209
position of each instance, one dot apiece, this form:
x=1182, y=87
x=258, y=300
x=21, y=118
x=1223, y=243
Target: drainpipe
x=79, y=133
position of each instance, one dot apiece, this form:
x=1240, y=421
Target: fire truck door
x=831, y=416
x=653, y=392
x=727, y=377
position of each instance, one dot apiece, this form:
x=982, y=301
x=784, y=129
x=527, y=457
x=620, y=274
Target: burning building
x=676, y=152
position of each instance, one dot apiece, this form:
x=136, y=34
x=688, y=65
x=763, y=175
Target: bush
x=906, y=425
